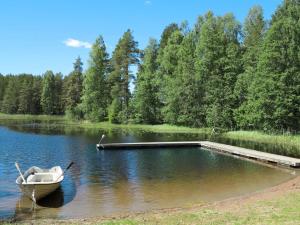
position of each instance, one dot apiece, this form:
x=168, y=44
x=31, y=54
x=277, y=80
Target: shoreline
x=238, y=206
x=288, y=144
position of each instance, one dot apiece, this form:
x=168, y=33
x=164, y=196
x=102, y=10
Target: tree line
x=217, y=73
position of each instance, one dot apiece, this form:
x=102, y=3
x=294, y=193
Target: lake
x=119, y=181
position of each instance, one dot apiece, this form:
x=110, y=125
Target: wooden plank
x=149, y=145
x=253, y=154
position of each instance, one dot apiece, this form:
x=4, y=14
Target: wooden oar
x=69, y=166
x=18, y=168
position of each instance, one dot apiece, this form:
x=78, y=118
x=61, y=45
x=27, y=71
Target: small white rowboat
x=37, y=183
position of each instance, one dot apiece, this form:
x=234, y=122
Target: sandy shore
x=236, y=205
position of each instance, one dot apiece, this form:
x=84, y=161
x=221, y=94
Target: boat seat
x=40, y=177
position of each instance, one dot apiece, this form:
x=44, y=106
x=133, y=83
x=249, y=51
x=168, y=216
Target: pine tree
x=95, y=90
x=3, y=84
x=124, y=56
x=10, y=102
x=59, y=104
x=25, y=95
x=48, y=94
x=166, y=34
x=146, y=100
x=35, y=107
x=74, y=86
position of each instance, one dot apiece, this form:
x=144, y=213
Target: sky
x=41, y=35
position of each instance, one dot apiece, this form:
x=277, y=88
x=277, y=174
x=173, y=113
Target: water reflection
x=130, y=135
x=107, y=182
x=46, y=207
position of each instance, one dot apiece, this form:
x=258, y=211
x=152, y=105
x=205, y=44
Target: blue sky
x=38, y=35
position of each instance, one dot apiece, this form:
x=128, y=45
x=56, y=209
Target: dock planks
x=243, y=152
x=149, y=145
x=252, y=154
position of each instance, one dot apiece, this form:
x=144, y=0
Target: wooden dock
x=143, y=145
x=252, y=154
x=243, y=152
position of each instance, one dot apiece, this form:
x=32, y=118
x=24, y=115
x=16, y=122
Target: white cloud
x=148, y=2
x=77, y=44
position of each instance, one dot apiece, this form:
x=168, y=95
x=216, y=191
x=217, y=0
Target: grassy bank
x=62, y=120
x=284, y=140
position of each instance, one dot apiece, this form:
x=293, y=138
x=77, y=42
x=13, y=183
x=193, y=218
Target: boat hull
x=38, y=191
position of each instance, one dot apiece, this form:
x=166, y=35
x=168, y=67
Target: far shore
x=286, y=140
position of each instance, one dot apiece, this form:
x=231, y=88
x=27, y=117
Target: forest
x=218, y=73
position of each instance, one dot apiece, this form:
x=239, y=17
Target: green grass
x=27, y=117
x=285, y=140
x=62, y=120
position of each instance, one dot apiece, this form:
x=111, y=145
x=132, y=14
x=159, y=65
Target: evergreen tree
x=95, y=90
x=189, y=95
x=35, y=107
x=74, y=86
x=218, y=64
x=166, y=34
x=25, y=95
x=169, y=89
x=254, y=30
x=10, y=102
x=59, y=104
x=146, y=100
x=124, y=56
x=3, y=84
x=48, y=97
x=273, y=102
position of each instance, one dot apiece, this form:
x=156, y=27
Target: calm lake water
x=109, y=182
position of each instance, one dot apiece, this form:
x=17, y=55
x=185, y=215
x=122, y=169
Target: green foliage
x=146, y=100
x=10, y=100
x=30, y=95
x=3, y=84
x=124, y=56
x=254, y=30
x=48, y=92
x=273, y=100
x=95, y=90
x=166, y=34
x=74, y=85
x=73, y=91
x=21, y=94
x=169, y=82
x=218, y=65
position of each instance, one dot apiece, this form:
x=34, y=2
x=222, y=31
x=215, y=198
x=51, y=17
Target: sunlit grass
x=27, y=117
x=260, y=137
x=61, y=120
